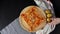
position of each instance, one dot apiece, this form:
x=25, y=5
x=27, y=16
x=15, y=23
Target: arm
x=49, y=27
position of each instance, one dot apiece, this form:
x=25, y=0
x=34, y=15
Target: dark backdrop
x=10, y=10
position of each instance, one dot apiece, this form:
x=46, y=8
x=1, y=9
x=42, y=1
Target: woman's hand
x=55, y=21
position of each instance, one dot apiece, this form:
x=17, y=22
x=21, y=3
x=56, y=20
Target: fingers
x=55, y=21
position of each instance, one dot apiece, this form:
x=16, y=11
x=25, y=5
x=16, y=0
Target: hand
x=55, y=21
x=51, y=26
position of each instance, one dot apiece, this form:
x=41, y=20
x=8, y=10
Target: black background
x=10, y=10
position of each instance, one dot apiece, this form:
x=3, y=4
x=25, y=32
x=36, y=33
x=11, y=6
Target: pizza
x=32, y=18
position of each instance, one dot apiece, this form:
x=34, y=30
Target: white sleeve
x=47, y=29
x=41, y=4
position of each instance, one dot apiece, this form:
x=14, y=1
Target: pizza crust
x=26, y=26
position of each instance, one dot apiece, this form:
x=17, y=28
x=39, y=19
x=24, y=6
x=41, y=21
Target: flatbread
x=32, y=18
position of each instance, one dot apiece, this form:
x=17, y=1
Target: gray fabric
x=14, y=28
